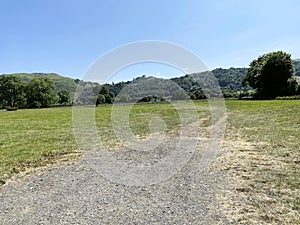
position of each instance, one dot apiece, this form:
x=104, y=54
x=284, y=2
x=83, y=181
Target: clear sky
x=66, y=36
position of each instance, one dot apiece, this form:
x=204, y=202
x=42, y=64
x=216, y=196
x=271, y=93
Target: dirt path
x=73, y=193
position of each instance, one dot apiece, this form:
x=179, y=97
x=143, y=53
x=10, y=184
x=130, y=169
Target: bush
x=10, y=108
x=294, y=97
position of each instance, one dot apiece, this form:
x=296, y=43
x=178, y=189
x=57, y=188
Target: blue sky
x=67, y=36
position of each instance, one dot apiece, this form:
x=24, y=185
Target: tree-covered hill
x=35, y=90
x=230, y=81
x=60, y=82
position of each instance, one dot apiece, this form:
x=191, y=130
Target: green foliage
x=60, y=82
x=104, y=90
x=10, y=108
x=293, y=97
x=230, y=79
x=292, y=87
x=196, y=93
x=100, y=99
x=151, y=99
x=190, y=86
x=298, y=90
x=40, y=93
x=64, y=97
x=105, y=96
x=115, y=88
x=249, y=94
x=185, y=82
x=11, y=91
x=62, y=85
x=269, y=74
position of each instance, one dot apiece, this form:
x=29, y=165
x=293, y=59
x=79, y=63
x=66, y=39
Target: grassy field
x=34, y=137
x=139, y=119
x=263, y=162
x=261, y=150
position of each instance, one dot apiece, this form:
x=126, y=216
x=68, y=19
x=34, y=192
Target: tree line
x=269, y=76
x=37, y=93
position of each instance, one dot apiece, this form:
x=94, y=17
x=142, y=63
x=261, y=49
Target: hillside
x=230, y=80
x=59, y=81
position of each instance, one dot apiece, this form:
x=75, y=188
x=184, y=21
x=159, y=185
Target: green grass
x=34, y=137
x=264, y=160
x=267, y=166
x=140, y=117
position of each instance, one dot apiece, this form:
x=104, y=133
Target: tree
x=269, y=74
x=105, y=96
x=292, y=87
x=109, y=98
x=11, y=91
x=77, y=81
x=298, y=89
x=63, y=97
x=40, y=93
x=196, y=93
x=100, y=99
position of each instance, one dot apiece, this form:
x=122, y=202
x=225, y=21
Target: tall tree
x=11, y=91
x=64, y=97
x=40, y=93
x=269, y=74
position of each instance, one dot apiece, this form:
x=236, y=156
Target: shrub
x=294, y=97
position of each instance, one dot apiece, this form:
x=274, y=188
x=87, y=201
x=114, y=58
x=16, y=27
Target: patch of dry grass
x=261, y=158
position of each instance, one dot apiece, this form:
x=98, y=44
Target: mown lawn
x=140, y=117
x=34, y=137
x=264, y=162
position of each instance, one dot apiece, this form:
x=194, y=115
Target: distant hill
x=229, y=79
x=59, y=81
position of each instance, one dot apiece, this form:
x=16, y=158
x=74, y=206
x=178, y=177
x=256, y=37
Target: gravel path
x=73, y=193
